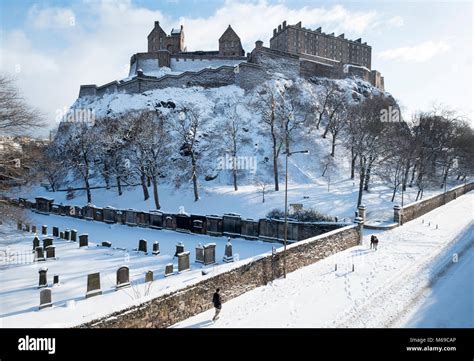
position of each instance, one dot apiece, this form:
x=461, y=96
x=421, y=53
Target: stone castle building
x=294, y=51
x=295, y=39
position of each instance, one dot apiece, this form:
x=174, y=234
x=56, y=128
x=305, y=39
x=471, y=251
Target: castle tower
x=159, y=40
x=229, y=44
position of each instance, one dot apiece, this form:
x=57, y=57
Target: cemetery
x=104, y=266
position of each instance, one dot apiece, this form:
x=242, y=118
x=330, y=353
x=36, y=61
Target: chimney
x=341, y=36
x=298, y=25
x=359, y=40
x=284, y=24
x=319, y=29
x=157, y=24
x=258, y=44
x=274, y=32
x=181, y=27
x=279, y=28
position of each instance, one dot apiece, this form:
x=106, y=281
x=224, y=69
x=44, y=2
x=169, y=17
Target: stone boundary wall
x=229, y=225
x=247, y=275
x=417, y=209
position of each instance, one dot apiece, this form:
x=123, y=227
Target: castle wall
x=276, y=61
x=181, y=64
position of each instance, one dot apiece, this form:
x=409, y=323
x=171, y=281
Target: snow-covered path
x=385, y=289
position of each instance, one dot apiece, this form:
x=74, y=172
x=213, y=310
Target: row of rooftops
x=284, y=26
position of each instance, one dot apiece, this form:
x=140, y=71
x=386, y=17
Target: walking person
x=372, y=237
x=376, y=242
x=216, y=300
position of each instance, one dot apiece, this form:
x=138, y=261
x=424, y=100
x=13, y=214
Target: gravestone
x=142, y=246
x=61, y=235
x=36, y=243
x=228, y=255
x=56, y=280
x=55, y=231
x=44, y=230
x=123, y=278
x=183, y=261
x=169, y=269
x=39, y=254
x=149, y=276
x=179, y=248
x=83, y=240
x=199, y=253
x=27, y=227
x=106, y=244
x=209, y=253
x=47, y=242
x=50, y=252
x=67, y=235
x=156, y=248
x=45, y=299
x=33, y=229
x=20, y=226
x=74, y=235
x=43, y=277
x=93, y=285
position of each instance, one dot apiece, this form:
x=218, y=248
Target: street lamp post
x=287, y=154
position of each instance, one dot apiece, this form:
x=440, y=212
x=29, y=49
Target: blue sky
x=423, y=49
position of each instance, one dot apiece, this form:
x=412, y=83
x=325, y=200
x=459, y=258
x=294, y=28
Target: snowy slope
x=385, y=286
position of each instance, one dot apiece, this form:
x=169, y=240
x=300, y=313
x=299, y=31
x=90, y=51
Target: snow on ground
x=412, y=264
x=19, y=293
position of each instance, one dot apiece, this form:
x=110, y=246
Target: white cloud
x=396, y=22
x=51, y=17
x=417, y=53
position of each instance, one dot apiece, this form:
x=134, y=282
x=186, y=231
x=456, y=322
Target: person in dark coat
x=376, y=242
x=216, y=300
x=372, y=237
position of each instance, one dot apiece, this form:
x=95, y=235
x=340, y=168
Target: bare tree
x=233, y=137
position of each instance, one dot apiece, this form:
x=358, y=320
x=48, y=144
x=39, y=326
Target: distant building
x=159, y=40
x=295, y=39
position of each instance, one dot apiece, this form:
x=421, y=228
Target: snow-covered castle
x=294, y=51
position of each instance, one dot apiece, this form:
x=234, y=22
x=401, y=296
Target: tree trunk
x=353, y=161
x=234, y=166
x=333, y=147
x=155, y=193
x=275, y=163
x=327, y=129
x=194, y=177
x=119, y=185
x=405, y=176
x=367, y=175
x=106, y=175
x=146, y=195
x=394, y=192
x=362, y=163
x=88, y=189
x=413, y=175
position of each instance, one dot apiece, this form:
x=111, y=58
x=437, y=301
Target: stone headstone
x=106, y=244
x=43, y=277
x=33, y=229
x=183, y=261
x=169, y=269
x=47, y=242
x=156, y=248
x=209, y=253
x=228, y=255
x=61, y=235
x=93, y=285
x=39, y=254
x=74, y=235
x=45, y=299
x=44, y=230
x=83, y=240
x=36, y=243
x=27, y=227
x=199, y=253
x=50, y=252
x=179, y=248
x=55, y=232
x=149, y=276
x=123, y=278
x=56, y=279
x=67, y=235
x=142, y=246
x=20, y=226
